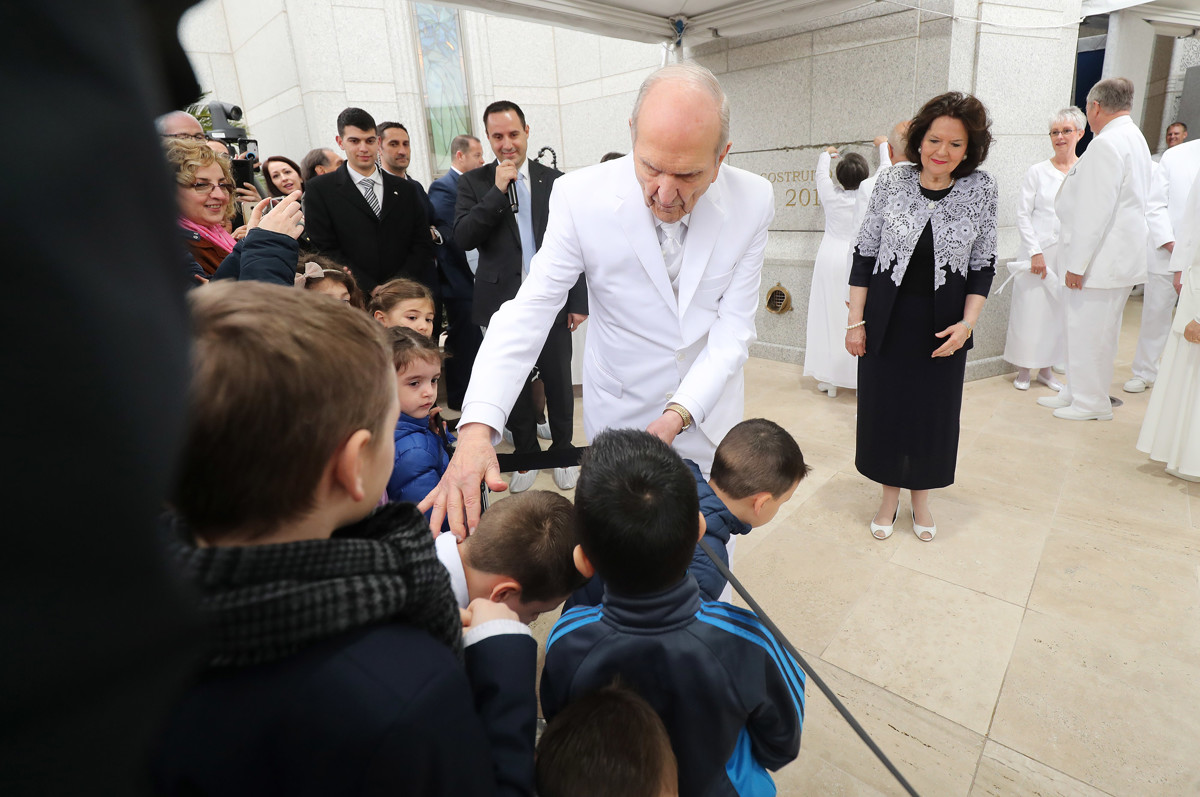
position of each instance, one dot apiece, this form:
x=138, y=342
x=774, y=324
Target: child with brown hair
x=339, y=664
x=607, y=744
x=521, y=554
x=422, y=453
x=403, y=303
x=320, y=274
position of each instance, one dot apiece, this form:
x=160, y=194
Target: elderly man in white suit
x=1103, y=245
x=672, y=243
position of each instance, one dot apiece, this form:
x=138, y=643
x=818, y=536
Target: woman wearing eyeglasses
x=1036, y=329
x=206, y=195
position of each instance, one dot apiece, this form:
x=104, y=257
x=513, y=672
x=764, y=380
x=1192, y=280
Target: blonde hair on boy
x=280, y=379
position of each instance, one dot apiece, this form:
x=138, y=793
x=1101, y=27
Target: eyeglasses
x=1068, y=131
x=207, y=188
x=193, y=136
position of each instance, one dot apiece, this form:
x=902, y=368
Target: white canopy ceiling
x=1169, y=17
x=656, y=20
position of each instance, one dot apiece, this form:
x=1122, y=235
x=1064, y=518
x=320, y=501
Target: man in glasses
x=180, y=125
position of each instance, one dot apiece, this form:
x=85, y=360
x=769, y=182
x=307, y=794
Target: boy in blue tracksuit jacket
x=756, y=469
x=731, y=697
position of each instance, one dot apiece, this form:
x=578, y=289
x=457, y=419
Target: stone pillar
x=1129, y=53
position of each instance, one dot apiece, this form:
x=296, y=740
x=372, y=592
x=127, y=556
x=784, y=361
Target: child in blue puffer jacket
x=422, y=443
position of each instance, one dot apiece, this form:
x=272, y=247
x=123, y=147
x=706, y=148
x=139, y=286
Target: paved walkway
x=1047, y=642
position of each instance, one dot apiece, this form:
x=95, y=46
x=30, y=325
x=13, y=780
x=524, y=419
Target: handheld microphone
x=512, y=195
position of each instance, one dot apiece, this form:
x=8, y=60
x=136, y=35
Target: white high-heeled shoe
x=919, y=530
x=883, y=532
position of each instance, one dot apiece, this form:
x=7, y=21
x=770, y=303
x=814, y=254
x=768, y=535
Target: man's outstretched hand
x=457, y=495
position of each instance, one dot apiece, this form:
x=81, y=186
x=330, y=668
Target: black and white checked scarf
x=266, y=602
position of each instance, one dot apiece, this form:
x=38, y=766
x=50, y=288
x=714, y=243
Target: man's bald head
x=897, y=141
x=680, y=130
x=179, y=124
x=690, y=81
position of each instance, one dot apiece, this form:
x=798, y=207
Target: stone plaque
x=791, y=173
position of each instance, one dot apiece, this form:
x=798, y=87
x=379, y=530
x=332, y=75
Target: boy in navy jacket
x=731, y=698
x=756, y=470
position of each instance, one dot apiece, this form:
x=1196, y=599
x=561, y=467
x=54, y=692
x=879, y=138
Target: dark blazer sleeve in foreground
x=502, y=671
x=264, y=256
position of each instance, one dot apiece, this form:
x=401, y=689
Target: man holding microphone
x=501, y=211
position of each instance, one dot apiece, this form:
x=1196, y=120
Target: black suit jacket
x=483, y=220
x=457, y=280
x=342, y=226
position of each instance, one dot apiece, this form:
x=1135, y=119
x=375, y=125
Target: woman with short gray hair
x=1036, y=328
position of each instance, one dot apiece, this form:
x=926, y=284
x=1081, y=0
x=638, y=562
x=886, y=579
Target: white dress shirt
x=376, y=179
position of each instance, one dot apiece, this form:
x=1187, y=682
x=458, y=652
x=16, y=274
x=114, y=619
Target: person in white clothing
x=825, y=355
x=1158, y=299
x=672, y=242
x=1103, y=243
x=1171, y=429
x=1036, y=337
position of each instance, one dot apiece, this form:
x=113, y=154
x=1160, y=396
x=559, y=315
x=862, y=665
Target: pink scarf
x=214, y=234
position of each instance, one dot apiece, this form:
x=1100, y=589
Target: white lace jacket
x=964, y=229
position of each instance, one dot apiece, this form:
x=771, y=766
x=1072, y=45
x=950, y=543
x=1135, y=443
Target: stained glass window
x=443, y=78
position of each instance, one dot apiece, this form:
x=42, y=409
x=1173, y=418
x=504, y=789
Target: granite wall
x=293, y=64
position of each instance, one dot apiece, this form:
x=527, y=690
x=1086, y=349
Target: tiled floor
x=1046, y=643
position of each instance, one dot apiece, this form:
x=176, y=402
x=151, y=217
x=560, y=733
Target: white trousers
x=1093, y=329
x=1157, y=305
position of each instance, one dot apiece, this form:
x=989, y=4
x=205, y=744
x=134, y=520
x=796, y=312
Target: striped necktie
x=367, y=185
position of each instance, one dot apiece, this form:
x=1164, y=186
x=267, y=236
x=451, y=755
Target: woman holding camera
x=923, y=264
x=205, y=192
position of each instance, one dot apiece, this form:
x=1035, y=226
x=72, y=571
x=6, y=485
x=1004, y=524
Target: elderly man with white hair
x=1103, y=242
x=671, y=241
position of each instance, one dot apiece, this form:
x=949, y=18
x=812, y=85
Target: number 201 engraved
x=804, y=198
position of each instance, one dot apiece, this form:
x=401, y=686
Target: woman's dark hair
x=852, y=170
x=266, y=173
x=964, y=108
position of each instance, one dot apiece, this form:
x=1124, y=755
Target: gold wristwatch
x=683, y=413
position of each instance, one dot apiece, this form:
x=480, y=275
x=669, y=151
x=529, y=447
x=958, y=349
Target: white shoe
x=832, y=391
x=522, y=481
x=508, y=436
x=543, y=431
x=565, y=478
x=1021, y=384
x=1069, y=414
x=1051, y=383
x=823, y=387
x=1053, y=402
x=921, y=531
x=1059, y=369
x=1136, y=385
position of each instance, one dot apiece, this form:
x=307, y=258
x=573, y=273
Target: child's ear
x=380, y=317
x=703, y=527
x=349, y=464
x=505, y=589
x=758, y=501
x=582, y=563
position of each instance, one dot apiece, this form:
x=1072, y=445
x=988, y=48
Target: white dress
x=1171, y=428
x=825, y=355
x=1036, y=322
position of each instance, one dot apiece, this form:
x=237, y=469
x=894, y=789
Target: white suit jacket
x=1176, y=172
x=1186, y=258
x=1102, y=209
x=1158, y=260
x=644, y=348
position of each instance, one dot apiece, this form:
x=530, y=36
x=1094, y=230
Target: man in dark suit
x=507, y=233
x=455, y=273
x=364, y=217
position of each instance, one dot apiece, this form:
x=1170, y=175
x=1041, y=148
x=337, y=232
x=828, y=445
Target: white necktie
x=672, y=250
